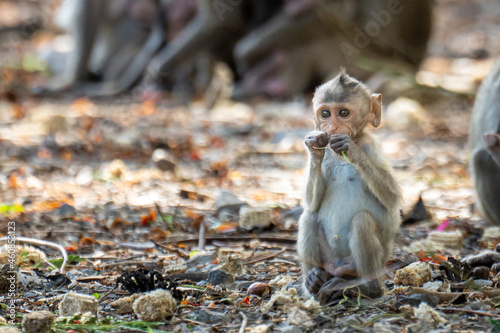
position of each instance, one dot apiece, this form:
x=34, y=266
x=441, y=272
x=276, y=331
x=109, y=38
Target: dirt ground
x=125, y=183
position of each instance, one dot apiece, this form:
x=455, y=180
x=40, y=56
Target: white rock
x=38, y=322
x=425, y=245
x=124, y=304
x=73, y=303
x=449, y=239
x=491, y=233
x=425, y=313
x=437, y=286
x=255, y=217
x=415, y=274
x=155, y=306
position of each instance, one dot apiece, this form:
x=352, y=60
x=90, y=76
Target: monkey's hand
x=342, y=267
x=347, y=271
x=316, y=141
x=341, y=143
x=493, y=145
x=315, y=279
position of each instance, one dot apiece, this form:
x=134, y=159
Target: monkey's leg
x=368, y=254
x=365, y=244
x=86, y=25
x=197, y=36
x=487, y=182
x=134, y=71
x=288, y=30
x=311, y=245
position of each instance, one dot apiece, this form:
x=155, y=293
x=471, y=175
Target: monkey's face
x=341, y=118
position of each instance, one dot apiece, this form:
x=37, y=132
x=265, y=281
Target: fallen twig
x=265, y=238
x=39, y=242
x=447, y=297
x=201, y=237
x=265, y=258
x=476, y=312
x=243, y=323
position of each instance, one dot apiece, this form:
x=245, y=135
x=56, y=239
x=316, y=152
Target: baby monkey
x=352, y=200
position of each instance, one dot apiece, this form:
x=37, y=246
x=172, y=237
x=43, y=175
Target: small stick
x=106, y=294
x=39, y=242
x=194, y=322
x=446, y=297
x=480, y=313
x=243, y=323
x=444, y=208
x=201, y=238
x=265, y=258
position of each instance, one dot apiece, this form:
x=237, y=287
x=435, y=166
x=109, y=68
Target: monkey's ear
x=376, y=109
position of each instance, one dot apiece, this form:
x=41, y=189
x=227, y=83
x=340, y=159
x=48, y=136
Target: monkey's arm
x=376, y=173
x=315, y=188
x=373, y=168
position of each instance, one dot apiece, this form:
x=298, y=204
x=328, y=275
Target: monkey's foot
x=337, y=287
x=315, y=279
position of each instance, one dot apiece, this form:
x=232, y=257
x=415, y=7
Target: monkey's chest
x=341, y=176
x=346, y=194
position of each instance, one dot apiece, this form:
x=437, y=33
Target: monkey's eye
x=325, y=113
x=344, y=113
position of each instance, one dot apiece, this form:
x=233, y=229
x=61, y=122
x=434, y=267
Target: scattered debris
x=281, y=297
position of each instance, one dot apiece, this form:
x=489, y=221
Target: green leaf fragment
x=346, y=159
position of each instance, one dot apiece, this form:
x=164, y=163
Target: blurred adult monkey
x=315, y=37
x=484, y=140
x=352, y=200
x=113, y=40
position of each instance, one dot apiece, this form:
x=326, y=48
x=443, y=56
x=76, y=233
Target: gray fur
x=349, y=211
x=341, y=89
x=484, y=170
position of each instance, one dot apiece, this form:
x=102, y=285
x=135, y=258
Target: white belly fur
x=348, y=194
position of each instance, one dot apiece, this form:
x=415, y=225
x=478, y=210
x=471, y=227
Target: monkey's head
x=344, y=105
